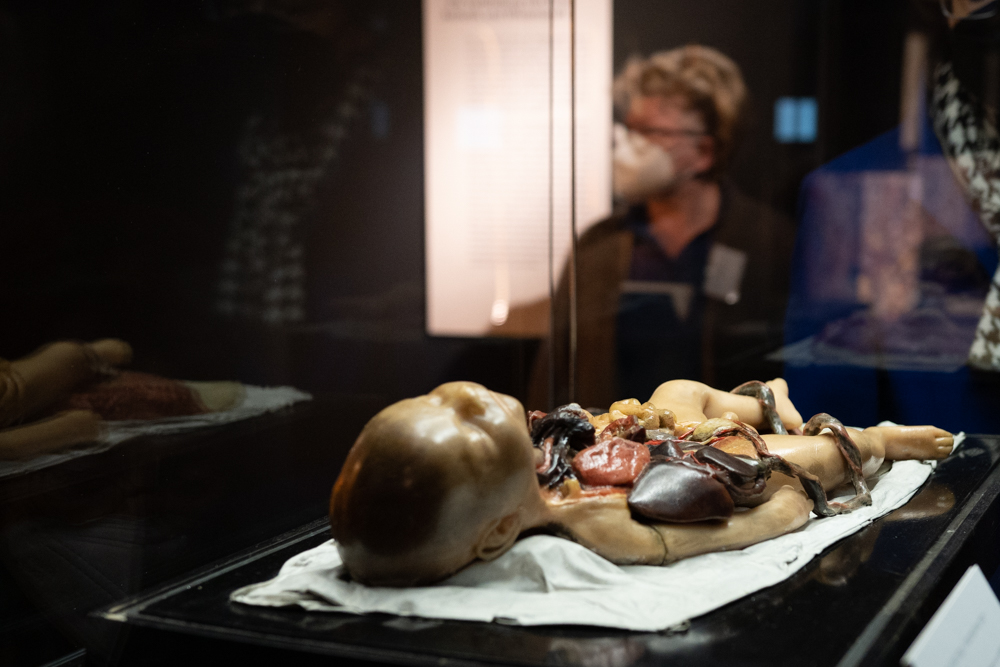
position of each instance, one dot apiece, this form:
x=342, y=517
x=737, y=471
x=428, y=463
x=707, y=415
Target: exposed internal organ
x=696, y=482
x=667, y=490
x=627, y=428
x=611, y=462
x=558, y=434
x=132, y=395
x=680, y=491
x=851, y=454
x=737, y=446
x=703, y=473
x=647, y=415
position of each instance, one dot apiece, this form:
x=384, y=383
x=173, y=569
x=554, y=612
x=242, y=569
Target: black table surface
x=861, y=602
x=82, y=534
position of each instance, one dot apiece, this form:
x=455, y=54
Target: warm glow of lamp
x=497, y=144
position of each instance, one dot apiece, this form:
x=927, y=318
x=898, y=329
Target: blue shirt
x=655, y=342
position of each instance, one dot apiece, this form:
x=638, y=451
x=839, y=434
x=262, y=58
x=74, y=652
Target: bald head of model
x=434, y=483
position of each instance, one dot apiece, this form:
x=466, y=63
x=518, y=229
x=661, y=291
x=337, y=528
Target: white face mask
x=641, y=169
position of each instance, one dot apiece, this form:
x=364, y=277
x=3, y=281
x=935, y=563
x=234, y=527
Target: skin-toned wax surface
x=53, y=434
x=603, y=523
x=819, y=455
x=34, y=383
x=694, y=402
x=435, y=482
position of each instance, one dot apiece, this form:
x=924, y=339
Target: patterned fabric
x=970, y=140
x=263, y=270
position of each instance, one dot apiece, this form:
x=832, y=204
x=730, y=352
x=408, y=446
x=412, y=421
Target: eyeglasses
x=977, y=9
x=664, y=132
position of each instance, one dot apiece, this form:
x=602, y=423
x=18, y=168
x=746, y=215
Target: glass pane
x=232, y=231
x=784, y=207
x=238, y=201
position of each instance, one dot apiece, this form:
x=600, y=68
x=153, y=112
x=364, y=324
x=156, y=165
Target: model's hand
x=795, y=504
x=787, y=510
x=790, y=417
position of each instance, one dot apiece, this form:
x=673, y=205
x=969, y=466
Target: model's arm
x=605, y=525
x=56, y=433
x=787, y=510
x=31, y=384
x=695, y=402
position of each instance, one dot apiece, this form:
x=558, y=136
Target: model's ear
x=499, y=537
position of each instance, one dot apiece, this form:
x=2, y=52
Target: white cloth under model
x=547, y=580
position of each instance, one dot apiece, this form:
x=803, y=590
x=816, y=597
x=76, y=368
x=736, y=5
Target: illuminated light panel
x=487, y=148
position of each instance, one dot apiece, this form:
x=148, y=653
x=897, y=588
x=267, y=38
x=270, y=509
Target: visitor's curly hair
x=710, y=82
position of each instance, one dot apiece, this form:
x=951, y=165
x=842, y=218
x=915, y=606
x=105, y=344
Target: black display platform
x=82, y=534
x=861, y=602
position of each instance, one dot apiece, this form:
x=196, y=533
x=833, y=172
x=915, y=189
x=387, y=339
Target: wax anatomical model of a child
x=436, y=482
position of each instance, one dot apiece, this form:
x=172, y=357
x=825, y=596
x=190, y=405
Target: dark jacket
x=735, y=337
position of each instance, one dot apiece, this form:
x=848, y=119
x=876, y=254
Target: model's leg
x=820, y=455
x=904, y=443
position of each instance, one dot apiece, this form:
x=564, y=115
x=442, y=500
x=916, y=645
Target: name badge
x=724, y=273
x=681, y=294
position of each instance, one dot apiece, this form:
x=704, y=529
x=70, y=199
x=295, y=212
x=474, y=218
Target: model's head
x=433, y=483
x=688, y=101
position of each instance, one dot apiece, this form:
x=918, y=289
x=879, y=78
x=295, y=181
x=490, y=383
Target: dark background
x=120, y=121
x=120, y=125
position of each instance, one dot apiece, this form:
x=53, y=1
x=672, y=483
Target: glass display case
x=234, y=231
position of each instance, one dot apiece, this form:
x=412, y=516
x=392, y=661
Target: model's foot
x=906, y=443
x=794, y=502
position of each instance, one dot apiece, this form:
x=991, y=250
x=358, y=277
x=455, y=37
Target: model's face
x=459, y=459
x=672, y=125
x=461, y=441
